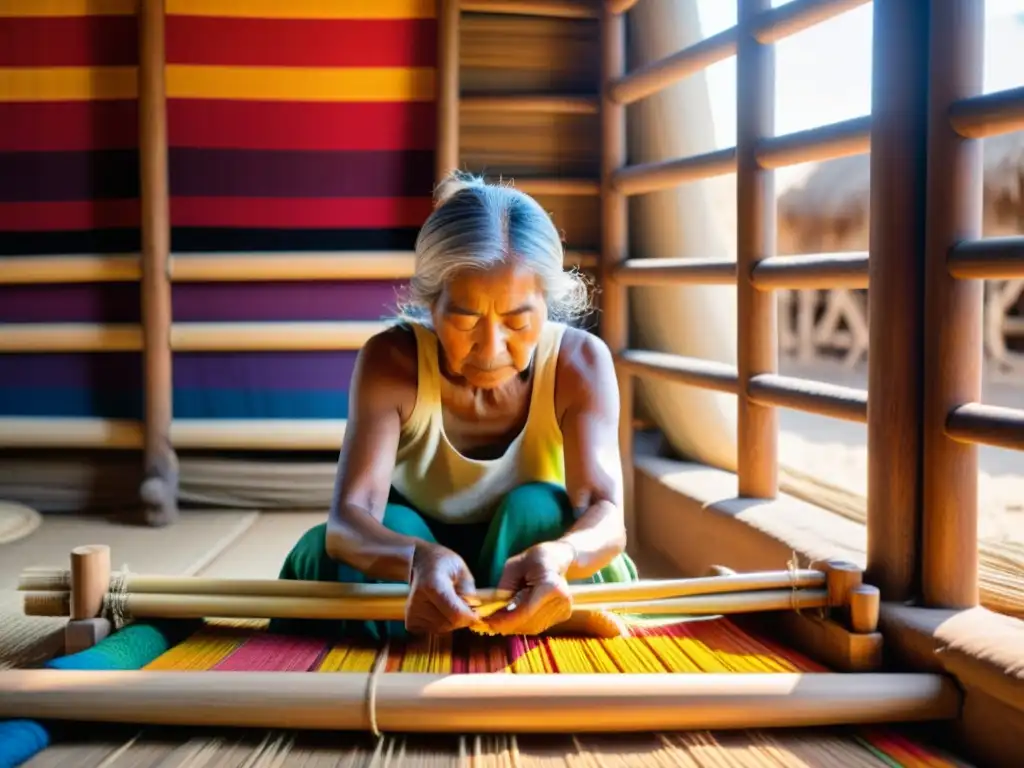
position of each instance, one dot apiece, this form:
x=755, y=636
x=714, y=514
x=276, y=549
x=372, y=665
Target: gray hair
x=477, y=226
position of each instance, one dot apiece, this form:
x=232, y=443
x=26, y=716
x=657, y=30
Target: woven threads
x=379, y=665
x=115, y=604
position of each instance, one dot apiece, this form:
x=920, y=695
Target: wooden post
x=896, y=287
x=615, y=244
x=953, y=311
x=447, y=158
x=756, y=232
x=159, y=490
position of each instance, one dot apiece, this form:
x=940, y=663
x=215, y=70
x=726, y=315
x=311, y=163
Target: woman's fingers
x=533, y=610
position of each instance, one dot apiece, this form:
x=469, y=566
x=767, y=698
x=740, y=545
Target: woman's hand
x=439, y=584
x=541, y=597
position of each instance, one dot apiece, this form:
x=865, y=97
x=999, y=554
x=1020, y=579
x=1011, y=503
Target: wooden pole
x=478, y=703
x=447, y=159
x=159, y=490
x=953, y=311
x=896, y=286
x=615, y=246
x=755, y=213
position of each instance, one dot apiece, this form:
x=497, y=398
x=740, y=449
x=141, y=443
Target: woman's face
x=489, y=322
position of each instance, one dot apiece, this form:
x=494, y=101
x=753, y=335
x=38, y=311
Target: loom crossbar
x=478, y=703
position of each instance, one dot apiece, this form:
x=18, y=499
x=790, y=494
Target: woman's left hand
x=541, y=599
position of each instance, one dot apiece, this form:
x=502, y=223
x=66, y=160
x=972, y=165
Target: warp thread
x=379, y=665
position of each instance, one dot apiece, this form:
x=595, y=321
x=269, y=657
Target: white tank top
x=443, y=484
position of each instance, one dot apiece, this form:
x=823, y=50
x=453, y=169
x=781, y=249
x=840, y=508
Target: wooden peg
x=841, y=579
x=90, y=580
x=865, y=601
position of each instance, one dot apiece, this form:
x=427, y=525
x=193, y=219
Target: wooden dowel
x=261, y=336
x=797, y=15
x=87, y=268
x=51, y=604
x=299, y=265
x=833, y=400
x=990, y=114
x=38, y=580
x=478, y=703
x=656, y=76
x=712, y=271
x=824, y=270
x=202, y=606
x=159, y=490
x=982, y=424
x=708, y=374
x=865, y=603
x=723, y=605
x=71, y=337
x=991, y=258
x=815, y=145
x=756, y=323
x=665, y=174
x=842, y=578
x=89, y=580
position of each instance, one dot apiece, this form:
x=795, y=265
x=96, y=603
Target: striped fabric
x=297, y=126
x=304, y=124
x=69, y=185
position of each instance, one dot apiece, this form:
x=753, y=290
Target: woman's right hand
x=439, y=584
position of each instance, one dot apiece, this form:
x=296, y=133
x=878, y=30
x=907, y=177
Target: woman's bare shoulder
x=585, y=365
x=387, y=367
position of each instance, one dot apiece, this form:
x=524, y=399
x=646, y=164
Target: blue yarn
x=20, y=740
x=133, y=647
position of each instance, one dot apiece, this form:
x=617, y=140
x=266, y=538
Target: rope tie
x=116, y=601
x=379, y=665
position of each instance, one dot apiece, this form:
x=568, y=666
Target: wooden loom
x=667, y=675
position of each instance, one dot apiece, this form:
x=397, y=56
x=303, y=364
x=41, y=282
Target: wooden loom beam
x=953, y=311
x=478, y=703
x=159, y=491
x=896, y=277
x=614, y=323
x=756, y=324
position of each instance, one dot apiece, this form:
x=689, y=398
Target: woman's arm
x=382, y=387
x=587, y=399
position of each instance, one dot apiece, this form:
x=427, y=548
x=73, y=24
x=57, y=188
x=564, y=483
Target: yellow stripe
x=67, y=83
x=306, y=9
x=10, y=8
x=301, y=83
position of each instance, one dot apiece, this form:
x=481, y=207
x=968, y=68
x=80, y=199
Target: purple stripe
x=70, y=303
x=107, y=174
x=263, y=370
x=254, y=302
x=295, y=173
x=100, y=371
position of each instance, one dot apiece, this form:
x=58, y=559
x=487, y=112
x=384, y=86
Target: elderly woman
x=482, y=440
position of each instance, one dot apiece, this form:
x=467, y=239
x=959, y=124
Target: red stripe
x=300, y=125
x=301, y=42
x=68, y=125
x=73, y=216
x=69, y=41
x=312, y=213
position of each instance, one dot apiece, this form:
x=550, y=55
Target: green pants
x=528, y=515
